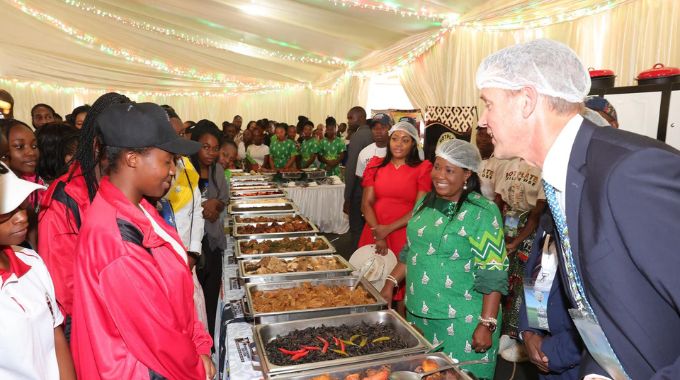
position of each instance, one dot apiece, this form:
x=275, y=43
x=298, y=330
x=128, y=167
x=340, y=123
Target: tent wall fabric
x=279, y=59
x=627, y=39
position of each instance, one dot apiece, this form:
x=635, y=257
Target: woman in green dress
x=454, y=262
x=309, y=148
x=331, y=149
x=282, y=151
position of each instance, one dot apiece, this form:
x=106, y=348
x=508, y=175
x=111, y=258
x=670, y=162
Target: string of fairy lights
x=229, y=85
x=203, y=41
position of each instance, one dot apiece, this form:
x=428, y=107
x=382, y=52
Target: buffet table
x=290, y=308
x=322, y=205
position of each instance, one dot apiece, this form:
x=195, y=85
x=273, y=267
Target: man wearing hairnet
x=615, y=200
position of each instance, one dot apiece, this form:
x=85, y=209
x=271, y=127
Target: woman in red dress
x=392, y=185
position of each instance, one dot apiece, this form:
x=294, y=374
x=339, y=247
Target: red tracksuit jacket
x=58, y=233
x=134, y=312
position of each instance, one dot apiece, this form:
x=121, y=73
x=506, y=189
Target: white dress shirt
x=557, y=160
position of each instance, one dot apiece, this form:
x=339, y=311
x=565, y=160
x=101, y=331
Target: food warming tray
x=238, y=235
x=294, y=315
x=252, y=177
x=266, y=333
x=288, y=276
x=265, y=206
x=406, y=363
x=243, y=194
x=241, y=255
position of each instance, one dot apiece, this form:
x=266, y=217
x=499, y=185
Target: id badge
x=513, y=222
x=597, y=343
x=536, y=301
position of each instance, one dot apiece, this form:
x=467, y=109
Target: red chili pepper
x=342, y=345
x=311, y=348
x=325, y=344
x=336, y=341
x=289, y=352
x=300, y=355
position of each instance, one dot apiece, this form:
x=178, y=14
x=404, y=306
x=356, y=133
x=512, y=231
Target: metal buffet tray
x=328, y=251
x=246, y=206
x=241, y=194
x=266, y=333
x=294, y=315
x=236, y=226
x=288, y=276
x=248, y=186
x=252, y=177
x=406, y=363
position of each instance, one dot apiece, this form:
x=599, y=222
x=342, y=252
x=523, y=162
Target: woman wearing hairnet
x=392, y=186
x=454, y=262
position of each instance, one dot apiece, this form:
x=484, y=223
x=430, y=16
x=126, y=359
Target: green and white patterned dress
x=451, y=262
x=331, y=150
x=309, y=148
x=282, y=151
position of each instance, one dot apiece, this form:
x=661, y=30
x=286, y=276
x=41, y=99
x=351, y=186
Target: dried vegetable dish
x=316, y=344
x=271, y=265
x=301, y=244
x=308, y=296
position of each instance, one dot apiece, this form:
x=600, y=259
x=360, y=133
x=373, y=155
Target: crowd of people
x=547, y=240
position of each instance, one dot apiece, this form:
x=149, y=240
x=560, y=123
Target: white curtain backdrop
x=627, y=39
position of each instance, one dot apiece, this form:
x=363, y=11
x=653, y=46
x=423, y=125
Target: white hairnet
x=406, y=127
x=551, y=67
x=460, y=153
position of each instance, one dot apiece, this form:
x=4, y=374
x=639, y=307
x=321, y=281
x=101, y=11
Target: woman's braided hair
x=85, y=154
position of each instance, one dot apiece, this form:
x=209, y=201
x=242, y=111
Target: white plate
x=381, y=268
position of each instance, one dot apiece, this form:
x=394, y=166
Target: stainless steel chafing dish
x=240, y=255
x=247, y=177
x=263, y=334
x=237, y=234
x=294, y=315
x=406, y=363
x=346, y=269
x=244, y=194
x=262, y=206
x=238, y=186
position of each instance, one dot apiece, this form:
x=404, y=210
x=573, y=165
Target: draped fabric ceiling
x=278, y=58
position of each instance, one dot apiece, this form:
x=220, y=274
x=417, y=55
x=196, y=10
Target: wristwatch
x=489, y=325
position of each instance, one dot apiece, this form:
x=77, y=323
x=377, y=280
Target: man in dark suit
x=557, y=352
x=361, y=138
x=615, y=197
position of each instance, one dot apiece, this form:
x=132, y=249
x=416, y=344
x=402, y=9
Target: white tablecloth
x=233, y=333
x=322, y=205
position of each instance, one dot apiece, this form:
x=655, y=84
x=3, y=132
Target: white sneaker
x=515, y=353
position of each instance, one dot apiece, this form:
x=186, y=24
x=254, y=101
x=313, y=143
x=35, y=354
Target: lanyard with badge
x=537, y=287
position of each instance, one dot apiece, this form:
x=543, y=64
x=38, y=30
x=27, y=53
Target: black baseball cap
x=381, y=118
x=142, y=125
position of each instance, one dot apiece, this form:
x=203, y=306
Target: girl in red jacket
x=134, y=315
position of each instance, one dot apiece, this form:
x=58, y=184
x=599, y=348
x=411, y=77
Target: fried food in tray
x=301, y=244
x=272, y=265
x=383, y=372
x=260, y=193
x=296, y=224
x=289, y=218
x=308, y=296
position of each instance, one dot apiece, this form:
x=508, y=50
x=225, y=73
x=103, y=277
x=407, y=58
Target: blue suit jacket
x=562, y=345
x=623, y=213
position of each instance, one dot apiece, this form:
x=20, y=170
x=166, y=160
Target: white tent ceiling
x=205, y=44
